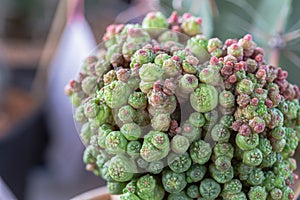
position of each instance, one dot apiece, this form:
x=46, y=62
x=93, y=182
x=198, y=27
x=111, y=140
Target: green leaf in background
x=291, y=56
x=233, y=20
x=272, y=17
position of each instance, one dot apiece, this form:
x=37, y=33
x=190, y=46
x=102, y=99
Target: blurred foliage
x=274, y=24
x=28, y=7
x=27, y=19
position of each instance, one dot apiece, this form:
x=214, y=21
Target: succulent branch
x=200, y=118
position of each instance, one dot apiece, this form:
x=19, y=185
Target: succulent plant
x=195, y=119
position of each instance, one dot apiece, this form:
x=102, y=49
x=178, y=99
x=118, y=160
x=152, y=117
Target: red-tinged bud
x=269, y=103
x=169, y=87
x=105, y=38
x=232, y=78
x=123, y=75
x=285, y=74
x=289, y=92
x=74, y=86
x=235, y=46
x=230, y=58
x=157, y=86
x=173, y=19
x=261, y=74
x=110, y=28
x=297, y=92
x=229, y=63
x=214, y=60
x=174, y=129
x=245, y=130
x=227, y=70
x=176, y=58
x=186, y=15
x=176, y=28
x=282, y=74
x=178, y=130
x=134, y=32
x=156, y=48
x=254, y=101
x=236, y=51
x=229, y=42
x=187, y=129
x=259, y=58
x=90, y=167
x=68, y=90
x=259, y=90
x=243, y=65
x=174, y=124
x=72, y=83
x=248, y=37
x=240, y=66
x=198, y=21
x=237, y=125
x=257, y=124
x=136, y=66
x=119, y=28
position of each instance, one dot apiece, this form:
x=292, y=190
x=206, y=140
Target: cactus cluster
x=168, y=114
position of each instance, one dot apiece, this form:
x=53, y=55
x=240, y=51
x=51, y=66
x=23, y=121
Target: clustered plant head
x=167, y=113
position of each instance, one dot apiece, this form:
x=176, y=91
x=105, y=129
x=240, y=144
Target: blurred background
x=42, y=43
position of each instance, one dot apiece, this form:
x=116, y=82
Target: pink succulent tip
x=119, y=28
x=186, y=15
x=111, y=28
x=142, y=52
x=232, y=79
x=198, y=21
x=259, y=128
x=214, y=60
x=285, y=74
x=291, y=196
x=187, y=129
x=177, y=58
x=259, y=90
x=269, y=103
x=248, y=37
x=173, y=18
x=229, y=42
x=254, y=101
x=176, y=28
x=235, y=46
x=151, y=15
x=296, y=177
x=105, y=38
x=259, y=58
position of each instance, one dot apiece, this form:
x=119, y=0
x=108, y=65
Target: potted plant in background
x=167, y=113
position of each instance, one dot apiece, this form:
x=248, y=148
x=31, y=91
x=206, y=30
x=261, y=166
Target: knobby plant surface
x=167, y=113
